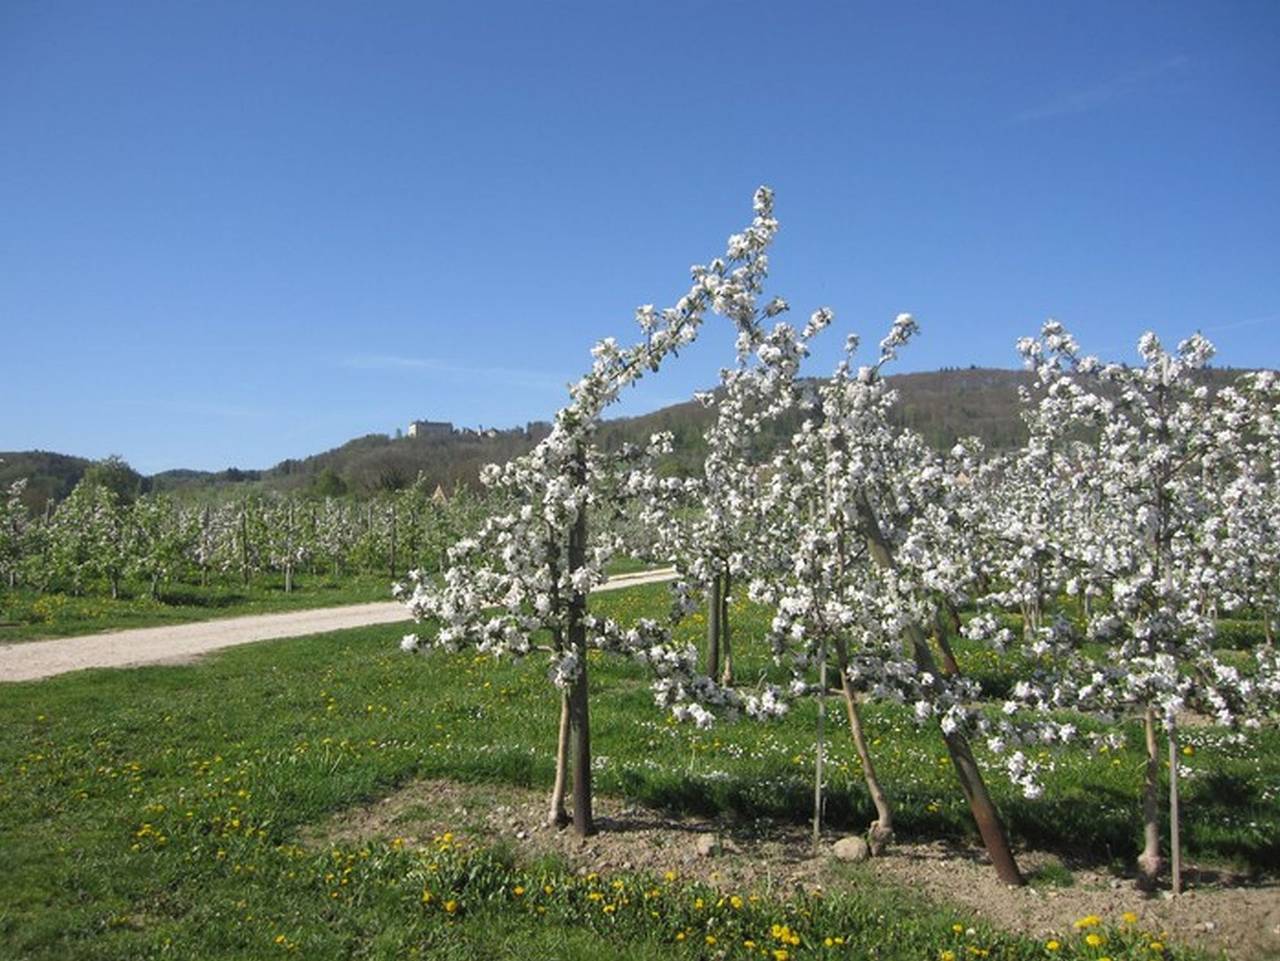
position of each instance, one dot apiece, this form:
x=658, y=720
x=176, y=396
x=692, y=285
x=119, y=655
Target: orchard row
x=1143, y=507
x=95, y=540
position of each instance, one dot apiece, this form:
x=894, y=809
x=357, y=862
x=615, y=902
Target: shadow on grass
x=1070, y=827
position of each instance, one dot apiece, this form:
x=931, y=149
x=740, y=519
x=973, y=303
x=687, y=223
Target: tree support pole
x=822, y=744
x=726, y=676
x=713, y=626
x=1175, y=828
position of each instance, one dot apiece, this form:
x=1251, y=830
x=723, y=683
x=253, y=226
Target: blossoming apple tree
x=1145, y=527
x=13, y=528
x=870, y=564
x=710, y=523
x=530, y=569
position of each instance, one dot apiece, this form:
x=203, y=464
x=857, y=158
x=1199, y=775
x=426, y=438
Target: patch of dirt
x=1217, y=911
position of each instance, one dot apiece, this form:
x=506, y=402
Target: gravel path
x=179, y=643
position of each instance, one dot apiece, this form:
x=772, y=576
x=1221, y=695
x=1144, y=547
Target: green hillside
x=942, y=405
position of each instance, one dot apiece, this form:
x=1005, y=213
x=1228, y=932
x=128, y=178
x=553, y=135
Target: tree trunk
x=971, y=783
x=392, y=558
x=579, y=716
x=880, y=833
x=726, y=647
x=1149, y=863
x=288, y=564
x=244, y=548
x=1175, y=828
x=949, y=665
x=557, y=816
x=714, y=611
x=204, y=541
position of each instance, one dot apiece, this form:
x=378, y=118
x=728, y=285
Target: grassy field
x=28, y=616
x=161, y=812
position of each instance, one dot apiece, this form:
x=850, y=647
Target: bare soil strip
x=182, y=643
x=1217, y=912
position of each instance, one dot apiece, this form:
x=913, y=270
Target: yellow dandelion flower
x=451, y=907
x=1088, y=921
x=1052, y=945
x=1129, y=918
x=1156, y=946
x=947, y=956
x=518, y=890
x=1094, y=940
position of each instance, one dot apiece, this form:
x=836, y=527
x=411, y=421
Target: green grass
x=629, y=565
x=26, y=615
x=158, y=811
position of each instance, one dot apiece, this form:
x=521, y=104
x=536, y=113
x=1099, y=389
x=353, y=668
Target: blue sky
x=234, y=233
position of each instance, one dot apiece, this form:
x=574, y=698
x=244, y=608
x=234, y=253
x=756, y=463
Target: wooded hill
x=942, y=405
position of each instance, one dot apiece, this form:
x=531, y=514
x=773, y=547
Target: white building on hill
x=430, y=428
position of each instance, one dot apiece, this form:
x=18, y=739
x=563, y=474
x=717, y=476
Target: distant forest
x=942, y=406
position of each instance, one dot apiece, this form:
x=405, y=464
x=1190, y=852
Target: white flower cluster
x=1113, y=505
x=522, y=573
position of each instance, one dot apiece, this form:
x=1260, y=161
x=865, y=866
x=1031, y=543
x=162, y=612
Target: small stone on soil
x=851, y=849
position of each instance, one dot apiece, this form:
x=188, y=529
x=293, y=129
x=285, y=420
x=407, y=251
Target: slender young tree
x=14, y=521
x=1160, y=445
x=711, y=523
x=537, y=563
x=868, y=570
